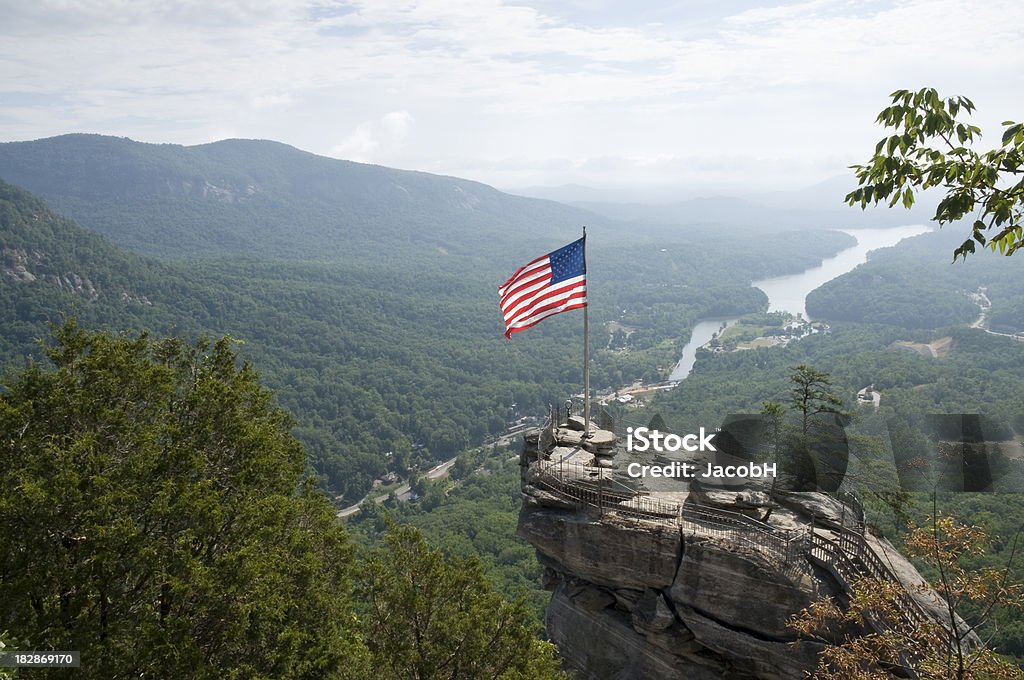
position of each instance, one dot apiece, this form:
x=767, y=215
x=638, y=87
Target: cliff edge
x=687, y=584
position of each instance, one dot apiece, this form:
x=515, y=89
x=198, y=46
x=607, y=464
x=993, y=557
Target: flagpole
x=586, y=356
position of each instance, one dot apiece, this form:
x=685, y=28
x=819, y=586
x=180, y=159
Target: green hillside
x=49, y=266
x=385, y=368
x=369, y=362
x=268, y=199
x=914, y=285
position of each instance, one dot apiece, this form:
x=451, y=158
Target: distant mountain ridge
x=819, y=206
x=756, y=211
x=263, y=198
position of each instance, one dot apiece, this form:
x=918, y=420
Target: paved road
x=404, y=492
x=440, y=471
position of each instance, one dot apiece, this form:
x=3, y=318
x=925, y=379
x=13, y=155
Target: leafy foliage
x=430, y=618
x=474, y=516
x=930, y=649
x=153, y=514
x=931, y=147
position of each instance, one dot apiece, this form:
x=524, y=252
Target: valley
x=389, y=370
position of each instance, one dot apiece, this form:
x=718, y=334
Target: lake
x=789, y=293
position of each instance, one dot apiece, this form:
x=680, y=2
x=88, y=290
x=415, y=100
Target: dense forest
x=915, y=285
x=155, y=516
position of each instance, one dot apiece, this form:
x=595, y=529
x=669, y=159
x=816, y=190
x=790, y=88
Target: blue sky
x=669, y=94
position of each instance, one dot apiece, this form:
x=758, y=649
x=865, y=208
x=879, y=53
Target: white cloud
x=488, y=81
x=376, y=141
x=396, y=126
x=269, y=100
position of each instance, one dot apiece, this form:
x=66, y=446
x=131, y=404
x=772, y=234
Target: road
x=985, y=305
x=404, y=492
x=439, y=471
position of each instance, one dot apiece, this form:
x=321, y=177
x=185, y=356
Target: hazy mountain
x=266, y=198
x=829, y=194
x=574, y=194
x=734, y=211
x=818, y=206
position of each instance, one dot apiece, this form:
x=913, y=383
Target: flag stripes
x=546, y=286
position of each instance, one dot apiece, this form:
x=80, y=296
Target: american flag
x=553, y=283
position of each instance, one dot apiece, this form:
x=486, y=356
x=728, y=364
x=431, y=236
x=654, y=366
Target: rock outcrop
x=21, y=266
x=679, y=585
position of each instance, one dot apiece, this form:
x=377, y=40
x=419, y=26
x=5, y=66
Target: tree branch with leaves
x=870, y=638
x=932, y=147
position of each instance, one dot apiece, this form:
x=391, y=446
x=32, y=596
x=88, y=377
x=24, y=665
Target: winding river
x=789, y=293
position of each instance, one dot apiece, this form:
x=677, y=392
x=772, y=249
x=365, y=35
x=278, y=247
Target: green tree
x=812, y=452
x=811, y=395
x=432, y=618
x=773, y=415
x=6, y=673
x=931, y=147
x=154, y=515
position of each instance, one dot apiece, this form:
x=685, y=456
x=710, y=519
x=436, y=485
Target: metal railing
x=786, y=546
x=848, y=557
x=602, y=492
x=575, y=482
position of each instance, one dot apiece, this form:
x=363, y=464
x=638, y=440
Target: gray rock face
x=642, y=557
x=652, y=613
x=604, y=644
x=742, y=588
x=683, y=584
x=749, y=656
x=638, y=601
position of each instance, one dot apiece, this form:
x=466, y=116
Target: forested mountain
x=914, y=285
x=345, y=350
x=264, y=198
x=366, y=295
x=49, y=265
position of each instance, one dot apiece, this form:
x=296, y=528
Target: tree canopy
x=428, y=617
x=153, y=515
x=932, y=147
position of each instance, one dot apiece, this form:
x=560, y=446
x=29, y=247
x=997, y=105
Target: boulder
x=599, y=440
x=824, y=509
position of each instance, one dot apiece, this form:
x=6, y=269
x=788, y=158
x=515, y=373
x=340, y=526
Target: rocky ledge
x=640, y=593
